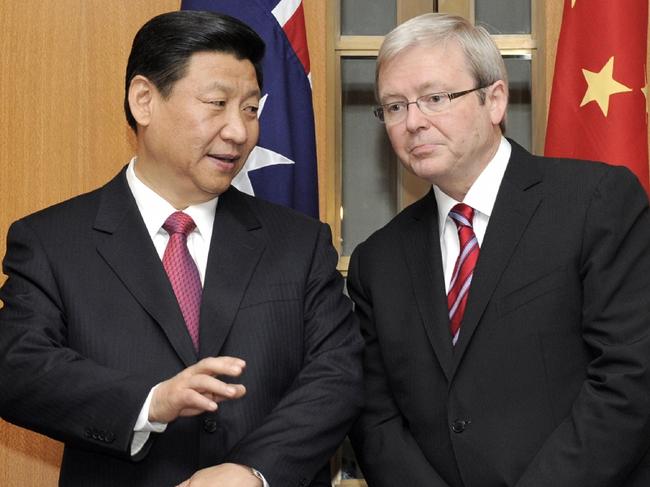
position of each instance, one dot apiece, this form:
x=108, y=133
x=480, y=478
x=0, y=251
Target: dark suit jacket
x=549, y=383
x=90, y=323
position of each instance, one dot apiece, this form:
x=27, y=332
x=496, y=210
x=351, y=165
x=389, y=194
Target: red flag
x=598, y=102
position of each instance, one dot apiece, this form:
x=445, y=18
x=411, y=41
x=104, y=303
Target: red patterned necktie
x=462, y=216
x=182, y=271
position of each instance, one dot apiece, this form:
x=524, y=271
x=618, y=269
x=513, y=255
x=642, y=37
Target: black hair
x=162, y=48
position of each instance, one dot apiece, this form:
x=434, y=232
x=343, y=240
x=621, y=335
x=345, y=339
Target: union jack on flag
x=282, y=167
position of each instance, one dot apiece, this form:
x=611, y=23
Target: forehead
x=441, y=67
x=218, y=69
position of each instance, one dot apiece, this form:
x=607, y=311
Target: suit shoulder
x=560, y=175
x=585, y=171
x=582, y=180
x=74, y=209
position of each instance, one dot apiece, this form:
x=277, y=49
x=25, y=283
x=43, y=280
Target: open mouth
x=224, y=161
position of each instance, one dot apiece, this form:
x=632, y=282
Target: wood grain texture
x=315, y=15
x=62, y=132
x=553, y=11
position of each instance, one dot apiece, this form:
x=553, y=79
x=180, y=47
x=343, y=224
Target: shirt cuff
x=259, y=475
x=143, y=427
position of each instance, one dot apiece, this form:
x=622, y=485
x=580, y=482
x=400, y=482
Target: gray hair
x=481, y=53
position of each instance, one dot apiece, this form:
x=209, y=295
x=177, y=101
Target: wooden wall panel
x=62, y=132
x=315, y=15
x=553, y=12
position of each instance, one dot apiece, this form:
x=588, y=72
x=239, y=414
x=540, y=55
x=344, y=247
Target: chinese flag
x=598, y=102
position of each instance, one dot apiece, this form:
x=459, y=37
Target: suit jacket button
x=210, y=425
x=459, y=425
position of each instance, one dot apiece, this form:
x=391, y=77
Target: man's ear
x=142, y=94
x=497, y=101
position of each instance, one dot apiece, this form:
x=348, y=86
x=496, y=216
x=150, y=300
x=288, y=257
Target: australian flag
x=282, y=168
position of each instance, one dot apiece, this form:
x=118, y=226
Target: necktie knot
x=179, y=222
x=462, y=215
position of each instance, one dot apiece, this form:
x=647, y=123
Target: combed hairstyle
x=162, y=48
x=481, y=53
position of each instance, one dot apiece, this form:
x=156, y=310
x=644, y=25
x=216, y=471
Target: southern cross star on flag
x=598, y=107
x=282, y=167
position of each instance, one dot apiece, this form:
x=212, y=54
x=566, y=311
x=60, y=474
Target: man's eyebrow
x=218, y=85
x=228, y=89
x=423, y=89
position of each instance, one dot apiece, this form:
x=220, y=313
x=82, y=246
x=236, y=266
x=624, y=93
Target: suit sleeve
x=314, y=415
x=386, y=450
x=47, y=386
x=608, y=429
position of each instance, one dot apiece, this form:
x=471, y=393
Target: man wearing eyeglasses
x=507, y=313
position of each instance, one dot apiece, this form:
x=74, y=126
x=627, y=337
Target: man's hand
x=224, y=475
x=196, y=389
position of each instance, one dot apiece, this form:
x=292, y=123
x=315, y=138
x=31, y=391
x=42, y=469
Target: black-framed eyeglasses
x=430, y=104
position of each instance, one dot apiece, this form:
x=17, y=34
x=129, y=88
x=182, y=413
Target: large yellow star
x=602, y=85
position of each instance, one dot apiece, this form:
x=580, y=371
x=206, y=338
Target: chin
x=425, y=170
x=214, y=192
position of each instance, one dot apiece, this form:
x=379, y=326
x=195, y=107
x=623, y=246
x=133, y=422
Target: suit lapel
x=421, y=243
x=127, y=248
x=518, y=198
x=235, y=250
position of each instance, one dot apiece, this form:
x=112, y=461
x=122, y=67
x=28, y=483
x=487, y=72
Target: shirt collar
x=483, y=193
x=155, y=209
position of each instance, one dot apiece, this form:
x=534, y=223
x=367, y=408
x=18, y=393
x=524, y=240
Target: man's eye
x=394, y=107
x=434, y=99
x=218, y=103
x=251, y=110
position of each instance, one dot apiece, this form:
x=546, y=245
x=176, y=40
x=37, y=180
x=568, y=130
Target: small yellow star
x=602, y=85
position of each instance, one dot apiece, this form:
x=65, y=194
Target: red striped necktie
x=462, y=215
x=182, y=271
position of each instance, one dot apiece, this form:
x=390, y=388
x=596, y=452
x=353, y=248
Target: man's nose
x=415, y=119
x=235, y=128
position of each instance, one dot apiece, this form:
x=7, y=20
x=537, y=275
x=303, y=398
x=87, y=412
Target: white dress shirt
x=481, y=196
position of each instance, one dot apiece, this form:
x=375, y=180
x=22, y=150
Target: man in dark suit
x=507, y=313
x=129, y=311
